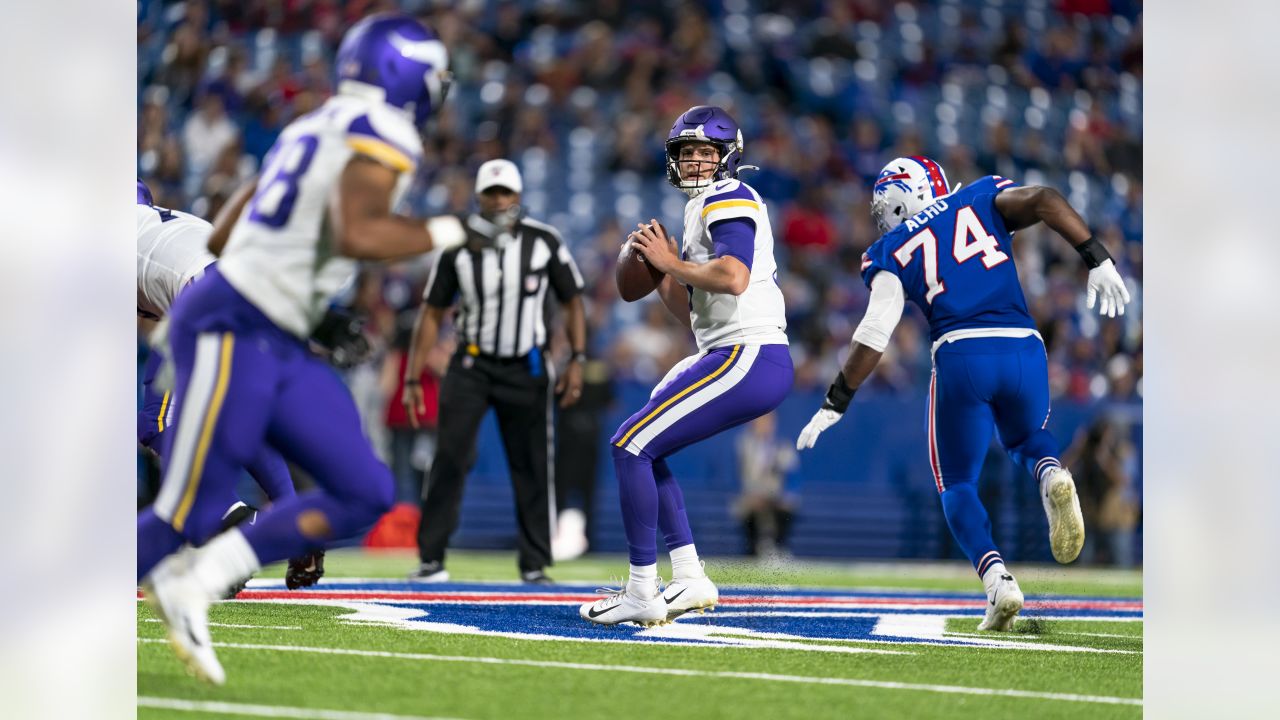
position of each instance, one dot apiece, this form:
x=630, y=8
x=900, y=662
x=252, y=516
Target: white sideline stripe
x=271, y=711
x=247, y=627
x=851, y=682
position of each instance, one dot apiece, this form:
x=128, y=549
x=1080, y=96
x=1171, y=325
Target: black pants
x=521, y=400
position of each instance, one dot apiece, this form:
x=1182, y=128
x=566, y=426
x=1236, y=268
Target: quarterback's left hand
x=1106, y=284
x=821, y=420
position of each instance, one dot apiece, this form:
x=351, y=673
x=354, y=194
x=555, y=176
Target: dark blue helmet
x=705, y=124
x=398, y=56
x=144, y=194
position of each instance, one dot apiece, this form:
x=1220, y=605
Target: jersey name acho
x=918, y=220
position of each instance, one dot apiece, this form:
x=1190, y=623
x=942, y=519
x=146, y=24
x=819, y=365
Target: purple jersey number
x=273, y=202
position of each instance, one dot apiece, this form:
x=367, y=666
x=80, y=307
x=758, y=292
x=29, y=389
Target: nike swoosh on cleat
x=593, y=614
x=673, y=597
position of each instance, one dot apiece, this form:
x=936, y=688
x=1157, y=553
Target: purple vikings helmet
x=707, y=124
x=397, y=58
x=905, y=187
x=144, y=194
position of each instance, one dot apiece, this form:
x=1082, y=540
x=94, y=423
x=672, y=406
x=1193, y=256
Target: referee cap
x=499, y=173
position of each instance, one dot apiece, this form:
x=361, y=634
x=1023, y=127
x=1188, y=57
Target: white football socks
x=643, y=582
x=991, y=576
x=224, y=561
x=685, y=564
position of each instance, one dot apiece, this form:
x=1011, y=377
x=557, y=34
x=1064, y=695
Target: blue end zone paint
x=793, y=618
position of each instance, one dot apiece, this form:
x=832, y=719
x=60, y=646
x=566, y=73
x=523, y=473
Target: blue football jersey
x=955, y=260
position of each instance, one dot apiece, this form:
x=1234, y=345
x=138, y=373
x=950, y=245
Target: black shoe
x=430, y=572
x=305, y=571
x=536, y=577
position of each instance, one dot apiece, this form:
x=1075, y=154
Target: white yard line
x=268, y=711
x=1109, y=635
x=249, y=627
x=851, y=682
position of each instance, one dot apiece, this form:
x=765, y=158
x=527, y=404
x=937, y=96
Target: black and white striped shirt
x=503, y=288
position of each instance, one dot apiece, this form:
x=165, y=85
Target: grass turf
x=415, y=686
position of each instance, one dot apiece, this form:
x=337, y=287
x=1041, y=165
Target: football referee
x=499, y=277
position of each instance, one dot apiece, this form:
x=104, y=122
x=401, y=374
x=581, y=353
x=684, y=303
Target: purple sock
x=638, y=493
x=156, y=540
x=672, y=517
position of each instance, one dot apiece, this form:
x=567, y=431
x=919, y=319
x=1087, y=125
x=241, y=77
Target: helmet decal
x=905, y=187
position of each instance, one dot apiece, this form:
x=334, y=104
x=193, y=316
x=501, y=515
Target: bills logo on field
x=799, y=619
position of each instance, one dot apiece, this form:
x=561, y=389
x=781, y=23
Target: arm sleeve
x=563, y=273
x=884, y=310
x=735, y=238
x=442, y=285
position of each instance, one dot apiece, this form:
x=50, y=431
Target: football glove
x=834, y=405
x=340, y=335
x=1106, y=285
x=305, y=571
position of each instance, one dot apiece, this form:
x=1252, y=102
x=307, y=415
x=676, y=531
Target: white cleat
x=183, y=606
x=619, y=606
x=685, y=594
x=1066, y=524
x=1004, y=601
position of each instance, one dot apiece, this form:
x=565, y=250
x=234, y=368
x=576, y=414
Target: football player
x=951, y=253
x=721, y=284
x=172, y=253
x=244, y=373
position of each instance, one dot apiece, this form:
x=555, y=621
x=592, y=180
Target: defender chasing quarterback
x=951, y=253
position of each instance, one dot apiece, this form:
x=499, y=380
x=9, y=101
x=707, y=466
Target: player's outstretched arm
x=360, y=214
x=884, y=310
x=1025, y=206
x=229, y=214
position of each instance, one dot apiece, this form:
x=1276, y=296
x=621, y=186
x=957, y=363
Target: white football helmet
x=905, y=187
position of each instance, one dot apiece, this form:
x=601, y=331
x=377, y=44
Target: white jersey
x=757, y=316
x=280, y=255
x=171, y=253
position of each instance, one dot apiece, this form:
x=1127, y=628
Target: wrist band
x=579, y=357
x=412, y=381
x=839, y=394
x=1093, y=252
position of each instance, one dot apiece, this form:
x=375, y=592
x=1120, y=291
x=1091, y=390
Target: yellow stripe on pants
x=164, y=403
x=679, y=395
x=206, y=433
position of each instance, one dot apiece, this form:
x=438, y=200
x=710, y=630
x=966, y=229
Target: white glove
x=821, y=420
x=1106, y=282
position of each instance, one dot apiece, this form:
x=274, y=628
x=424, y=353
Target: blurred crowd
x=581, y=94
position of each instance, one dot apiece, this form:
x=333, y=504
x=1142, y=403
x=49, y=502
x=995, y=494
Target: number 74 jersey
x=955, y=260
x=281, y=255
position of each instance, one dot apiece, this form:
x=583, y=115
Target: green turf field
x=298, y=659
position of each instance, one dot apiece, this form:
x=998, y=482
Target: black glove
x=305, y=571
x=341, y=335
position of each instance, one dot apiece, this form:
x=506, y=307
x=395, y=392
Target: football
x=634, y=275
